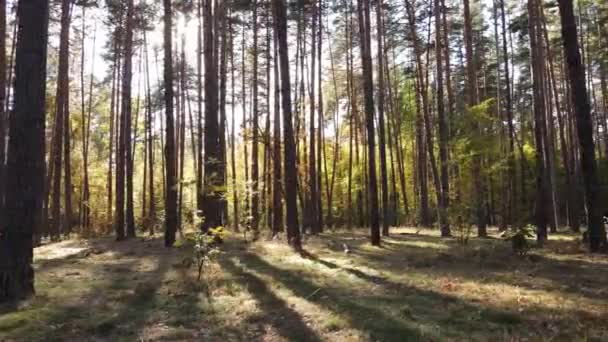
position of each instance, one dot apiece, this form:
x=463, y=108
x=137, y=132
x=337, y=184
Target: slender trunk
x=151, y=219
x=277, y=189
x=199, y=130
x=222, y=108
x=539, y=124
x=443, y=128
x=366, y=61
x=2, y=106
x=235, y=194
x=320, y=126
x=471, y=67
x=85, y=211
x=127, y=144
x=169, y=149
x=110, y=186
x=61, y=112
x=381, y=124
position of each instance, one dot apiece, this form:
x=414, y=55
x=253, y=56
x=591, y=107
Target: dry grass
x=417, y=286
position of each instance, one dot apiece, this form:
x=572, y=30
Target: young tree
x=25, y=167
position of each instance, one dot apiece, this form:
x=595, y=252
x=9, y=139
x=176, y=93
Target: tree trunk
x=171, y=186
x=3, y=117
x=277, y=206
x=310, y=219
x=444, y=198
x=539, y=123
x=381, y=124
x=212, y=182
x=61, y=113
x=366, y=61
x=578, y=93
x=478, y=183
x=290, y=171
x=25, y=168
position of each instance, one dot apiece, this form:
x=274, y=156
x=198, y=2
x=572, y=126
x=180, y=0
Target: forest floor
x=417, y=286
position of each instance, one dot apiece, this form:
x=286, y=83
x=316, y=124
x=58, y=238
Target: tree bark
x=290, y=171
x=212, y=181
x=578, y=93
x=25, y=168
x=366, y=61
x=171, y=186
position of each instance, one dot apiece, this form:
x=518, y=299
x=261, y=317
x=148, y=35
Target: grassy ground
x=417, y=286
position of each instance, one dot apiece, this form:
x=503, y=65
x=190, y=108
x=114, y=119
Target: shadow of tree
x=414, y=309
x=277, y=312
x=119, y=298
x=485, y=259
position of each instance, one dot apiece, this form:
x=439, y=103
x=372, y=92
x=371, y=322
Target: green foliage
x=459, y=223
x=519, y=236
x=205, y=248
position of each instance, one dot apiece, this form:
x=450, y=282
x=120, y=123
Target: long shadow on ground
x=399, y=316
x=287, y=322
x=109, y=297
x=489, y=260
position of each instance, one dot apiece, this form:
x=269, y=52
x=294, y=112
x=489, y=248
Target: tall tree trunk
x=3, y=101
x=235, y=194
x=509, y=110
x=244, y=127
x=171, y=186
x=151, y=219
x=67, y=168
x=478, y=183
x=110, y=186
x=61, y=113
x=578, y=93
x=85, y=208
x=381, y=124
x=310, y=219
x=199, y=130
x=222, y=106
x=350, y=111
x=421, y=131
x=255, y=196
x=443, y=128
x=127, y=115
x=25, y=168
x=320, y=125
x=539, y=123
x=212, y=181
x=181, y=129
x=277, y=206
x=290, y=171
x=366, y=61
